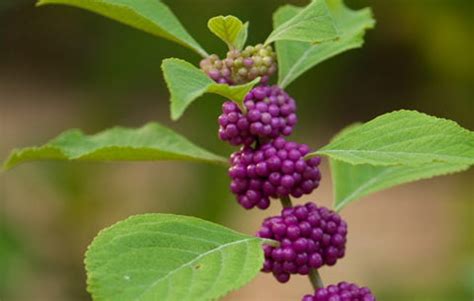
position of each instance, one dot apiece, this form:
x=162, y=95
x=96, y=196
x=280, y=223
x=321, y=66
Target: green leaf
x=295, y=58
x=152, y=142
x=242, y=37
x=403, y=138
x=227, y=28
x=151, y=16
x=352, y=182
x=186, y=83
x=170, y=258
x=312, y=24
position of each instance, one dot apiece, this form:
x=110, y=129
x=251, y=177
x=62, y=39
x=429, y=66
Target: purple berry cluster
x=240, y=67
x=274, y=170
x=269, y=113
x=342, y=292
x=268, y=166
x=309, y=237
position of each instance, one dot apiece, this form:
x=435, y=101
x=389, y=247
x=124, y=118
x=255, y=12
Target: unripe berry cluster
x=309, y=237
x=269, y=112
x=240, y=67
x=274, y=170
x=342, y=292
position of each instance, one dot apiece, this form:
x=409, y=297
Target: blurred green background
x=62, y=67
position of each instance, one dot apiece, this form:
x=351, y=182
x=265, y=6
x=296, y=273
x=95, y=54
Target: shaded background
x=63, y=68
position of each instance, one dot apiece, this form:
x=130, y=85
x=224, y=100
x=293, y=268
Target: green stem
x=313, y=275
x=286, y=202
x=315, y=279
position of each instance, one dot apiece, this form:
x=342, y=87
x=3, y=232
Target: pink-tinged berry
x=342, y=292
x=273, y=170
x=309, y=237
x=269, y=113
x=240, y=67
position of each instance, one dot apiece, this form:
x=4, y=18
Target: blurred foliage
x=420, y=56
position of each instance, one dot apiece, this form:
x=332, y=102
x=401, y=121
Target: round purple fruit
x=276, y=169
x=342, y=292
x=269, y=112
x=309, y=237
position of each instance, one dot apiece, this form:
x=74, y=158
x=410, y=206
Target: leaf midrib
x=217, y=249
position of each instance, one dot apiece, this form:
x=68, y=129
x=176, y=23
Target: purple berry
x=342, y=292
x=300, y=232
x=264, y=118
x=260, y=174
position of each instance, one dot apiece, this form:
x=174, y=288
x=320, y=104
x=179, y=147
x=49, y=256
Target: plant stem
x=286, y=202
x=313, y=275
x=315, y=279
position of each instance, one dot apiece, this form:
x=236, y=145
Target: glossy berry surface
x=240, y=67
x=309, y=236
x=274, y=170
x=342, y=292
x=269, y=113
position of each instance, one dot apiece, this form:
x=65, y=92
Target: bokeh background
x=63, y=68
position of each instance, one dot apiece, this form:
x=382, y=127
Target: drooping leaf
x=227, y=28
x=403, y=138
x=152, y=142
x=313, y=24
x=242, y=37
x=170, y=258
x=295, y=58
x=151, y=16
x=186, y=83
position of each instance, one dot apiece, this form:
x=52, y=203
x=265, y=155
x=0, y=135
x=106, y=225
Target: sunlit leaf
x=313, y=24
x=227, y=28
x=170, y=258
x=151, y=16
x=403, y=138
x=152, y=142
x=295, y=58
x=186, y=83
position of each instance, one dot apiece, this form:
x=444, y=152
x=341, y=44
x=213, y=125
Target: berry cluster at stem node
x=273, y=170
x=342, y=292
x=240, y=67
x=309, y=237
x=269, y=112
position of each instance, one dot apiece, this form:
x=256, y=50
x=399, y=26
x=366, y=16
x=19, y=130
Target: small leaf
x=295, y=58
x=170, y=258
x=227, y=29
x=242, y=37
x=151, y=16
x=312, y=24
x=403, y=138
x=186, y=83
x=152, y=142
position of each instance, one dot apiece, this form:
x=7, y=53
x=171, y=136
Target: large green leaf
x=151, y=16
x=186, y=83
x=295, y=58
x=351, y=182
x=313, y=24
x=161, y=257
x=403, y=138
x=228, y=29
x=150, y=143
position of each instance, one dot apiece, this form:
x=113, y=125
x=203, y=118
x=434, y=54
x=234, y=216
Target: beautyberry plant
x=169, y=257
